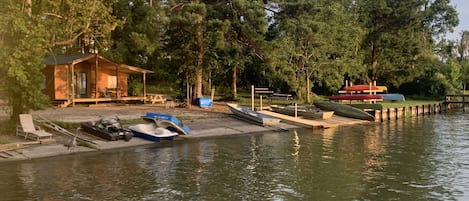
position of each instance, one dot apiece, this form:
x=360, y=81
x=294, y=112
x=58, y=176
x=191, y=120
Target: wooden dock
x=335, y=121
x=461, y=99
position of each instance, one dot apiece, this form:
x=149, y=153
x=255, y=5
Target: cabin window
x=112, y=81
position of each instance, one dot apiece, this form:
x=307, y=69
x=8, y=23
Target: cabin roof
x=79, y=58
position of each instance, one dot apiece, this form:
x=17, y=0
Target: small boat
x=169, y=122
x=357, y=97
x=247, y=114
x=344, y=110
x=309, y=112
x=107, y=128
x=152, y=130
x=393, y=97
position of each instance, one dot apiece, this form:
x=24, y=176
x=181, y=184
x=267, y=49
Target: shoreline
x=204, y=123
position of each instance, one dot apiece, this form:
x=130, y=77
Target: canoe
x=357, y=97
x=344, y=110
x=247, y=114
x=152, y=131
x=393, y=97
x=167, y=121
x=382, y=88
x=361, y=87
x=364, y=106
x=309, y=112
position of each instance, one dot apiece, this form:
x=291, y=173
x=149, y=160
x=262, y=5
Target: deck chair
x=29, y=130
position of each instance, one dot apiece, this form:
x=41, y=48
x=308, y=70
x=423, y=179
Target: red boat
x=361, y=87
x=357, y=97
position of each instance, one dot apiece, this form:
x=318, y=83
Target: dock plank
x=314, y=123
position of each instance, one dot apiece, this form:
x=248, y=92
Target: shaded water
x=424, y=158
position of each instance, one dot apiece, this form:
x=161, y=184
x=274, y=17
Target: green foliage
x=21, y=53
x=316, y=41
x=135, y=87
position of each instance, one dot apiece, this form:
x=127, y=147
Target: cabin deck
x=72, y=102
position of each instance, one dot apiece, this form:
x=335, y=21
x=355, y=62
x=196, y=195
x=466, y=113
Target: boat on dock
x=361, y=88
x=344, y=110
x=393, y=97
x=107, y=128
x=304, y=111
x=167, y=121
x=249, y=115
x=153, y=130
x=359, y=97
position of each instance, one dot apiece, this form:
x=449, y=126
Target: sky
x=462, y=6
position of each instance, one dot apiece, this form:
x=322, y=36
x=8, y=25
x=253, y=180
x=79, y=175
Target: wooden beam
x=144, y=77
x=117, y=81
x=96, y=92
x=73, y=84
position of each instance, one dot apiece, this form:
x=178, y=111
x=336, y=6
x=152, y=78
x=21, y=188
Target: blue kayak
x=393, y=97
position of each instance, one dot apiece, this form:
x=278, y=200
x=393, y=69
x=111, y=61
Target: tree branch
x=54, y=15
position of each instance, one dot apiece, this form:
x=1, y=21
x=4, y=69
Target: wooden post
x=374, y=84
x=144, y=78
x=212, y=94
x=463, y=103
x=370, y=88
x=117, y=81
x=73, y=85
x=252, y=97
x=296, y=110
x=260, y=102
x=188, y=96
x=96, y=92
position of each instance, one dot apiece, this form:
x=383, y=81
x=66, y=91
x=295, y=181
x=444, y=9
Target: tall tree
x=242, y=25
x=186, y=45
x=315, y=39
x=139, y=41
x=463, y=57
x=399, y=33
x=22, y=45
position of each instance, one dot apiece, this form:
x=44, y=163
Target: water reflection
x=421, y=158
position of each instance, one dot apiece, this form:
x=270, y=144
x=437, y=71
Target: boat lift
x=49, y=124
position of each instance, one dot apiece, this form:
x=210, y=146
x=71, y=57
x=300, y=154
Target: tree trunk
x=28, y=4
x=308, y=88
x=200, y=58
x=234, y=77
x=374, y=61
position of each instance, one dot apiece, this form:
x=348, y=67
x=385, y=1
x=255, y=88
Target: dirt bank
x=94, y=112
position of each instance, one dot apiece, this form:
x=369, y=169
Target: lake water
x=424, y=158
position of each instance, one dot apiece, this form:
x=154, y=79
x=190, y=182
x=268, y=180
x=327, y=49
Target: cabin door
x=81, y=85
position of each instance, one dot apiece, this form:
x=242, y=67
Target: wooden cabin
x=89, y=78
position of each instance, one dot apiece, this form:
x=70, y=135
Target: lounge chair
x=29, y=130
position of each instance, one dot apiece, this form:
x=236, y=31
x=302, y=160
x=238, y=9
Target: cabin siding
x=61, y=82
x=49, y=82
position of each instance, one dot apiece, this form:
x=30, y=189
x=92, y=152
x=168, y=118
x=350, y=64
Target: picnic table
x=156, y=98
